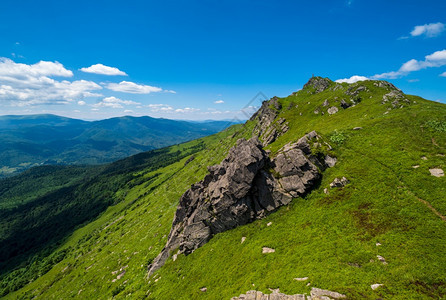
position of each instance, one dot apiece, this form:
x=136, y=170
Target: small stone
x=308, y=284
x=381, y=259
x=386, y=113
x=357, y=128
x=332, y=110
x=319, y=293
x=376, y=285
x=174, y=257
x=301, y=279
x=436, y=172
x=416, y=166
x=339, y=182
x=326, y=191
x=330, y=161
x=269, y=224
x=268, y=250
x=243, y=239
x=203, y=289
x=378, y=244
x=423, y=157
x=326, y=103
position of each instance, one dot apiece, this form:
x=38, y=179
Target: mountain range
x=336, y=191
x=33, y=140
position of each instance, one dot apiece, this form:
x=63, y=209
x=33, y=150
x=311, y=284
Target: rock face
x=318, y=83
x=245, y=186
x=268, y=128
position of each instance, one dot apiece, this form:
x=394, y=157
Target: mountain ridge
x=371, y=238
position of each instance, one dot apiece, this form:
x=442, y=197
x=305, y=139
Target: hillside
x=384, y=225
x=27, y=141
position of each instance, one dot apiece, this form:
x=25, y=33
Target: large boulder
x=245, y=186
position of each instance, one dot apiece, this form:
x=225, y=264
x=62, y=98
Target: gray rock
x=357, y=128
x=381, y=259
x=240, y=190
x=267, y=128
x=332, y=110
x=326, y=103
x=344, y=104
x=376, y=285
x=330, y=161
x=319, y=84
x=436, y=172
x=275, y=295
x=339, y=182
x=301, y=279
x=315, y=292
x=268, y=250
x=243, y=239
x=204, y=289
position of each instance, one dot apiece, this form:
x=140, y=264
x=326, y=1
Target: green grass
x=331, y=238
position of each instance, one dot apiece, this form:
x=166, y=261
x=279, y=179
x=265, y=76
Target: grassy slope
x=329, y=238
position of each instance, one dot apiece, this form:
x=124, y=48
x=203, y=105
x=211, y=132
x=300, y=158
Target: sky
x=202, y=59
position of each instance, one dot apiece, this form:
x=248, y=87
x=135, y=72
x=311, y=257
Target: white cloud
x=43, y=68
x=443, y=74
x=133, y=88
x=22, y=84
x=160, y=107
x=353, y=79
x=170, y=91
x=413, y=80
x=428, y=30
x=219, y=102
x=114, y=102
x=103, y=70
x=187, y=110
x=436, y=59
x=81, y=103
x=128, y=111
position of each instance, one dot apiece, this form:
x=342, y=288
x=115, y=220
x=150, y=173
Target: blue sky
x=207, y=59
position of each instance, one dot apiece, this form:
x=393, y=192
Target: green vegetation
x=331, y=238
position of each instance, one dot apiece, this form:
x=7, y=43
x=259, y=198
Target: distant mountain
x=32, y=140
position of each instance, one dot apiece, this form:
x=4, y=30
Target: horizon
x=200, y=61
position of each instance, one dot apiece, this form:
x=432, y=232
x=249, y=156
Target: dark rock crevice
x=240, y=190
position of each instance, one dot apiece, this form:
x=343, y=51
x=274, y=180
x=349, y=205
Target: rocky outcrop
x=319, y=84
x=267, y=127
x=395, y=97
x=245, y=186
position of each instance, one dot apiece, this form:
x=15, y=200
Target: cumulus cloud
x=128, y=111
x=160, y=107
x=353, y=79
x=133, y=88
x=443, y=74
x=436, y=59
x=103, y=70
x=22, y=84
x=43, y=68
x=114, y=102
x=187, y=110
x=219, y=102
x=81, y=103
x=428, y=30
